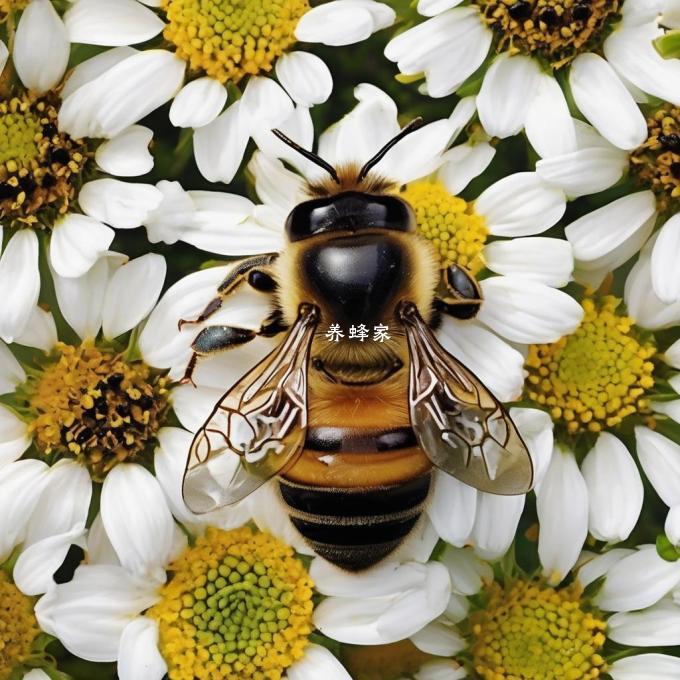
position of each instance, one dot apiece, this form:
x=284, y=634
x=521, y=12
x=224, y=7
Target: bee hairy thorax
x=361, y=482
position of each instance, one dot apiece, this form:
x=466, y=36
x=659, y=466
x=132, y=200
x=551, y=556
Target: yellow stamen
x=597, y=376
x=457, y=232
x=657, y=162
x=18, y=627
x=557, y=30
x=529, y=631
x=91, y=404
x=229, y=39
x=238, y=605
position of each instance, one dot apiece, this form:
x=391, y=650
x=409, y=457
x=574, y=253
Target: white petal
x=562, y=507
x=520, y=205
x=343, y=23
x=430, y=8
x=90, y=69
x=440, y=639
x=90, y=613
x=644, y=666
x=585, y=171
x=671, y=14
x=14, y=437
x=660, y=459
x=668, y=408
x=536, y=428
x=495, y=524
x=36, y=674
x=124, y=306
x=80, y=299
x=467, y=571
x=11, y=373
x=99, y=548
x=265, y=103
x=19, y=273
x=21, y=484
x=551, y=315
x=641, y=11
x=638, y=581
x=317, y=662
x=463, y=163
x=604, y=100
x=41, y=47
x=441, y=669
x=508, y=89
x=174, y=215
x=124, y=205
x=452, y=508
x=546, y=260
x=142, y=535
x=220, y=145
x=138, y=655
x=387, y=618
x=615, y=490
x=275, y=185
x=672, y=525
x=40, y=331
x=4, y=55
x=198, y=103
x=598, y=566
x=124, y=22
x=664, y=255
x=631, y=52
x=127, y=154
x=498, y=365
x=672, y=355
x=123, y=95
x=305, y=77
x=658, y=625
x=596, y=243
x=77, y=242
x=549, y=125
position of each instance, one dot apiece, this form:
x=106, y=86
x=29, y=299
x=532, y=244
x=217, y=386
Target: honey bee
x=352, y=428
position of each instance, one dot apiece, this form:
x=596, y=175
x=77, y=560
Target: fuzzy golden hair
x=348, y=174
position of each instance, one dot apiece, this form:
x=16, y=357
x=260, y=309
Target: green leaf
x=666, y=549
x=668, y=45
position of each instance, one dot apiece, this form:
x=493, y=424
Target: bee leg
x=251, y=271
x=464, y=296
x=213, y=340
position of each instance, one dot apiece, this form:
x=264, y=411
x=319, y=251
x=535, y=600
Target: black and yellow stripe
x=358, y=526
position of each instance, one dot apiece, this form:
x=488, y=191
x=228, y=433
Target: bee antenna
x=406, y=130
x=309, y=155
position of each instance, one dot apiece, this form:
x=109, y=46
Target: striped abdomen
x=350, y=523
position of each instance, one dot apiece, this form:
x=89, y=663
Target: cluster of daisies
x=551, y=172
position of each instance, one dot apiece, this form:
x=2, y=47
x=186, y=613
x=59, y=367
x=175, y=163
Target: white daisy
x=207, y=48
x=605, y=48
x=43, y=512
x=53, y=189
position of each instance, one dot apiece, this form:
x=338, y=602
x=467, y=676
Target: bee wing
x=462, y=428
x=257, y=429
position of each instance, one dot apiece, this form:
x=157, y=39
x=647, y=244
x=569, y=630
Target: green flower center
x=229, y=39
x=238, y=605
x=557, y=30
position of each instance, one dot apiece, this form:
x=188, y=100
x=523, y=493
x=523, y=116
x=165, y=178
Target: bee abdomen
x=356, y=527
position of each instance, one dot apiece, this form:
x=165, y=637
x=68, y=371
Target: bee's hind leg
x=463, y=296
x=253, y=271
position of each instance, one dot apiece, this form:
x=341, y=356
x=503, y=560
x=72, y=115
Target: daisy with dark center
x=53, y=189
x=604, y=48
x=206, y=48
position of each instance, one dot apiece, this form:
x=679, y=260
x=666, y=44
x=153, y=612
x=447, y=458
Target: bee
x=351, y=429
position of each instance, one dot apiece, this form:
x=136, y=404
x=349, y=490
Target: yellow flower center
x=557, y=30
x=229, y=39
x=597, y=376
x=40, y=167
x=530, y=631
x=94, y=405
x=18, y=627
x=238, y=605
x=384, y=662
x=8, y=6
x=456, y=231
x=657, y=161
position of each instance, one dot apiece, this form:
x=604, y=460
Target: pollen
x=18, y=628
x=657, y=162
x=238, y=605
x=596, y=377
x=92, y=404
x=529, y=631
x=40, y=167
x=450, y=223
x=557, y=30
x=9, y=6
x=229, y=39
